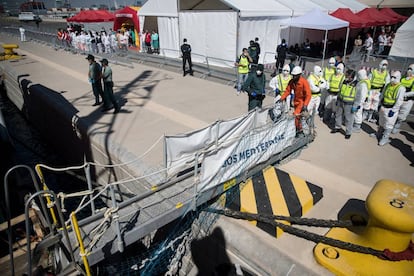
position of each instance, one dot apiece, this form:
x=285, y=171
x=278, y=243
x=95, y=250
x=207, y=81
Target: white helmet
x=286, y=69
x=362, y=74
x=383, y=62
x=411, y=67
x=340, y=68
x=332, y=62
x=396, y=75
x=297, y=70
x=317, y=70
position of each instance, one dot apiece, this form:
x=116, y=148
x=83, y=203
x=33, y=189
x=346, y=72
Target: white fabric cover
x=259, y=8
x=169, y=36
x=300, y=7
x=316, y=19
x=330, y=5
x=210, y=34
x=404, y=39
x=159, y=8
x=353, y=5
x=181, y=150
x=237, y=156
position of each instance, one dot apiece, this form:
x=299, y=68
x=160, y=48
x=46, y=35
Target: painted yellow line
x=277, y=200
x=248, y=199
x=303, y=192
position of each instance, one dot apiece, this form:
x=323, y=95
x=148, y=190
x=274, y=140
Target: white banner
x=180, y=150
x=256, y=146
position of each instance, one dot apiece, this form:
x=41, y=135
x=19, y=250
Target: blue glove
x=354, y=109
x=391, y=113
x=277, y=91
x=253, y=94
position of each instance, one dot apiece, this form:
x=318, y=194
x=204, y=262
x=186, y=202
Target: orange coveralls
x=302, y=98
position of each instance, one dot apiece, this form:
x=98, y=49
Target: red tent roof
x=124, y=15
x=391, y=13
x=92, y=16
x=354, y=20
x=373, y=14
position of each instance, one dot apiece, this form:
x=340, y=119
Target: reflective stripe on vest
x=408, y=84
x=390, y=94
x=347, y=93
x=378, y=79
x=244, y=69
x=283, y=83
x=335, y=83
x=328, y=73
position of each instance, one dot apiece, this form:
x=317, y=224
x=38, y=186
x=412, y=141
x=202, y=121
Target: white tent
x=402, y=45
x=318, y=20
x=300, y=7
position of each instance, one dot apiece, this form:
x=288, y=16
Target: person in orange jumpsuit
x=302, y=96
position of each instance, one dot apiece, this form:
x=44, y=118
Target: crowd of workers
x=339, y=96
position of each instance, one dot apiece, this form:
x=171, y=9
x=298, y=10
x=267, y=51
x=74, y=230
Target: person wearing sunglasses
x=391, y=99
x=405, y=108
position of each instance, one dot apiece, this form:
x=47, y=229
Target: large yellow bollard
x=9, y=51
x=390, y=228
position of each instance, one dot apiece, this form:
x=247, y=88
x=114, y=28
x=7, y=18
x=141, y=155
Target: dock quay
x=158, y=102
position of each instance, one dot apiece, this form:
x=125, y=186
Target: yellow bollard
x=9, y=51
x=80, y=241
x=390, y=206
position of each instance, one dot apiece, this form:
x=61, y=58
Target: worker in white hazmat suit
x=405, y=108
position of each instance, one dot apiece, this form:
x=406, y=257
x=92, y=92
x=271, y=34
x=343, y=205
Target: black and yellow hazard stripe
x=273, y=191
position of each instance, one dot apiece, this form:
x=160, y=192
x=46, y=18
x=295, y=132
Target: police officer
x=349, y=100
x=391, y=99
x=255, y=87
x=253, y=52
x=95, y=76
x=109, y=97
x=186, y=54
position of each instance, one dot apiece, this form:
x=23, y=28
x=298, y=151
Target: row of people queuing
x=150, y=42
x=95, y=42
x=337, y=95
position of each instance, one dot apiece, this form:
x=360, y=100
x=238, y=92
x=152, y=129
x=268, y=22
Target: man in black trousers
x=186, y=54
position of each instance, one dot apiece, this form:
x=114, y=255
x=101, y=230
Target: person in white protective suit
x=328, y=72
x=279, y=83
x=362, y=76
x=22, y=34
x=379, y=78
x=391, y=99
x=334, y=87
x=405, y=108
x=316, y=83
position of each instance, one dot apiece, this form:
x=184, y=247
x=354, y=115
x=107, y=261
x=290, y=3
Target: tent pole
x=324, y=47
x=346, y=41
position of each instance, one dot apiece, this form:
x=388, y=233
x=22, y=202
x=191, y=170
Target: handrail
x=8, y=213
x=46, y=193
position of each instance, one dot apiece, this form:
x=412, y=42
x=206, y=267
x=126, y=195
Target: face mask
x=384, y=66
x=394, y=80
x=339, y=71
x=258, y=72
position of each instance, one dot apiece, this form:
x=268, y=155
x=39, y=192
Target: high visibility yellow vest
x=408, y=84
x=328, y=73
x=335, y=83
x=282, y=82
x=390, y=94
x=315, y=80
x=347, y=93
x=378, y=78
x=244, y=61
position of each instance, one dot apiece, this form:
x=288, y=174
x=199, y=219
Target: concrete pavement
x=158, y=102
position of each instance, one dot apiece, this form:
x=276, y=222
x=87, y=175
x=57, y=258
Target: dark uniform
x=255, y=87
x=95, y=76
x=186, y=53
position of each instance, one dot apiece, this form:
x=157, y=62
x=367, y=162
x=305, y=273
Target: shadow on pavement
x=406, y=150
